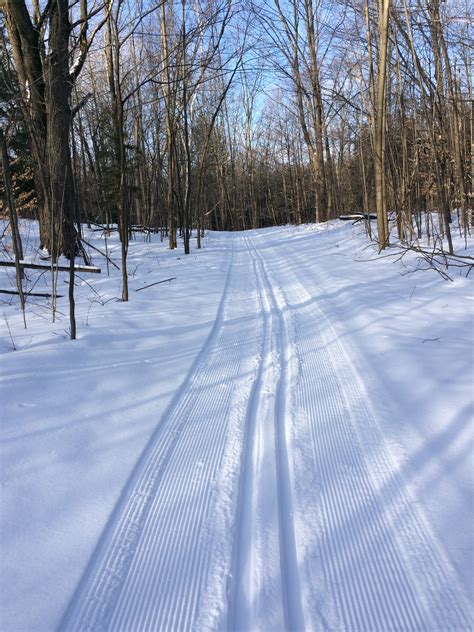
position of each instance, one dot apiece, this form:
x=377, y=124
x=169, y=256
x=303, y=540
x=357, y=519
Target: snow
x=278, y=438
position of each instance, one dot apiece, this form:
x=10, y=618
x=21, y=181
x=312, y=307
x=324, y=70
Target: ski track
x=266, y=499
x=151, y=568
x=375, y=552
x=265, y=591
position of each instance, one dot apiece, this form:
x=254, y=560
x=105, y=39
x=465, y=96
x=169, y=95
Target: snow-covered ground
x=279, y=438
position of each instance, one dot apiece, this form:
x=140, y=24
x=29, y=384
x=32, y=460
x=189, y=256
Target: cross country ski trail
x=266, y=499
x=367, y=558
x=265, y=587
x=165, y=543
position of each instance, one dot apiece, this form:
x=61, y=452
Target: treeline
x=234, y=114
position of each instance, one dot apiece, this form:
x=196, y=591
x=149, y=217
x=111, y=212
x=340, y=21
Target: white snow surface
x=280, y=438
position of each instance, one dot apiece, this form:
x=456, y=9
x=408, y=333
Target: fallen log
x=56, y=268
x=144, y=229
x=357, y=217
x=42, y=294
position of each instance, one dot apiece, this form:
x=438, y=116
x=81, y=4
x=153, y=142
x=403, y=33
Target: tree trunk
x=45, y=89
x=379, y=132
x=17, y=245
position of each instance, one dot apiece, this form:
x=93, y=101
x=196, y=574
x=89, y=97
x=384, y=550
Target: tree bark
x=379, y=132
x=17, y=245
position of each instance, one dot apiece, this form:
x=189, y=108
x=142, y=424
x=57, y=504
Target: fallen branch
x=104, y=229
x=357, y=217
x=39, y=266
x=435, y=259
x=101, y=253
x=42, y=294
x=140, y=228
x=156, y=283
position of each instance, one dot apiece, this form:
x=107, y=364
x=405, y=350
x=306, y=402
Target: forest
x=184, y=116
x=236, y=309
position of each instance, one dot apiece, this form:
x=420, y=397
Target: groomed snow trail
x=367, y=560
x=265, y=590
x=267, y=499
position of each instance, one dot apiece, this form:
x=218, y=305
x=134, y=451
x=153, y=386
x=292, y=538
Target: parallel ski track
x=381, y=567
x=367, y=562
x=151, y=566
x=288, y=558
x=243, y=588
x=261, y=585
